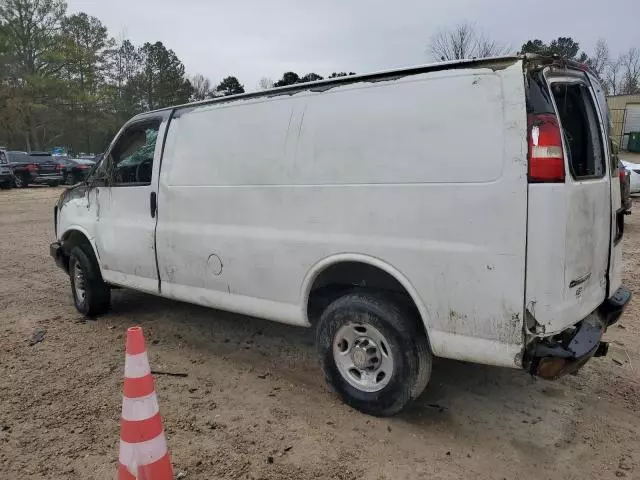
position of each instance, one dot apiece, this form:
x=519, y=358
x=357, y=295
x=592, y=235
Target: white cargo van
x=466, y=210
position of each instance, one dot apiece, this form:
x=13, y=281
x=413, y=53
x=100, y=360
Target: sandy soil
x=254, y=404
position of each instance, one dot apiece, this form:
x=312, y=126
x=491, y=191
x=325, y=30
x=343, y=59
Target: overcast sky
x=254, y=39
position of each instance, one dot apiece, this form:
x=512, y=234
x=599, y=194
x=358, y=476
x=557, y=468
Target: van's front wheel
x=372, y=353
x=90, y=294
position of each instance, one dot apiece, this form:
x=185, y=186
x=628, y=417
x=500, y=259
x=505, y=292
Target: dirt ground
x=254, y=404
x=630, y=157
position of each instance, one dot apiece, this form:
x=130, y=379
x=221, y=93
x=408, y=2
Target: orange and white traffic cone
x=143, y=447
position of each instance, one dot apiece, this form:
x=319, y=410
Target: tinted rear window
x=41, y=158
x=538, y=97
x=583, y=142
x=18, y=156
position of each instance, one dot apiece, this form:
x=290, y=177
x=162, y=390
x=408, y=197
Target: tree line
x=64, y=81
x=620, y=75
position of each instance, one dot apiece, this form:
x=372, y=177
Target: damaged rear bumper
x=566, y=352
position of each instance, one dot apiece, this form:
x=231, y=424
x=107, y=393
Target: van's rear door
x=569, y=222
x=617, y=212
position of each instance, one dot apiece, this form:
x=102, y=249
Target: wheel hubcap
x=79, y=281
x=363, y=357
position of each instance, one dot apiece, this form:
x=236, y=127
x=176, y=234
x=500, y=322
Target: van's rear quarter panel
x=426, y=173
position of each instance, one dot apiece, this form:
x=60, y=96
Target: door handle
x=153, y=204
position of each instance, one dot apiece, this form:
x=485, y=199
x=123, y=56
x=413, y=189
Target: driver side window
x=131, y=158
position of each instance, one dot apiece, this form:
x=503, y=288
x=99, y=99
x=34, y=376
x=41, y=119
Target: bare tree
x=265, y=83
x=600, y=59
x=452, y=44
x=612, y=76
x=486, y=47
x=201, y=87
x=464, y=41
x=630, y=63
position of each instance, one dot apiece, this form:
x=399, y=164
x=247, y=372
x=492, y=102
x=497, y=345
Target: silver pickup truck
x=6, y=174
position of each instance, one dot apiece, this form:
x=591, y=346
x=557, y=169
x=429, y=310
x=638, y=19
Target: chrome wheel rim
x=79, y=282
x=17, y=181
x=363, y=357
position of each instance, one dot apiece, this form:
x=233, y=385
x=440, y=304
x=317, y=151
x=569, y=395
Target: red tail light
x=546, y=157
x=59, y=166
x=82, y=167
x=32, y=167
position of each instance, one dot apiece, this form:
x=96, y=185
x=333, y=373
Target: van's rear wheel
x=90, y=294
x=373, y=353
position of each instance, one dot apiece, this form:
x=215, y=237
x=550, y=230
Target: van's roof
x=496, y=63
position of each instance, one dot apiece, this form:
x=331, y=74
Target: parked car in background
x=75, y=169
x=23, y=168
x=6, y=174
x=50, y=169
x=625, y=188
x=44, y=168
x=634, y=175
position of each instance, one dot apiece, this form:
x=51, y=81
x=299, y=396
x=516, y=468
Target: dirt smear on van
x=253, y=403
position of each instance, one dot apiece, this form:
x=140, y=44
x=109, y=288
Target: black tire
x=20, y=181
x=97, y=294
x=406, y=340
x=5, y=186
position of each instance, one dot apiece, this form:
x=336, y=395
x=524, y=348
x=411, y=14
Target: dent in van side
x=78, y=209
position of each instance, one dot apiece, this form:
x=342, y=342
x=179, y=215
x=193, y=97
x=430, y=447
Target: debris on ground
x=37, y=336
x=171, y=374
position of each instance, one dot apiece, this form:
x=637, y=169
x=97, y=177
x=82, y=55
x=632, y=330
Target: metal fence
x=618, y=111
